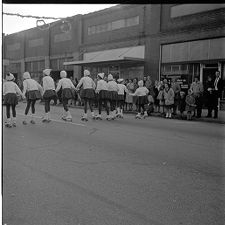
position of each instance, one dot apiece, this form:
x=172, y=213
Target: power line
x=35, y=17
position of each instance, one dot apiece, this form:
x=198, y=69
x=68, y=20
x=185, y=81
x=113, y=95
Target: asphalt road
x=125, y=172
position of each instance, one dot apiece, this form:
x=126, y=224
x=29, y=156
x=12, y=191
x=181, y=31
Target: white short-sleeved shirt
x=64, y=83
x=101, y=85
x=11, y=87
x=87, y=83
x=113, y=86
x=141, y=91
x=48, y=83
x=122, y=89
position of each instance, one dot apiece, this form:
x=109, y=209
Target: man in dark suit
x=218, y=88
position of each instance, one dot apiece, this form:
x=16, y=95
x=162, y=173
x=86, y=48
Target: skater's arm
x=18, y=91
x=59, y=86
x=24, y=87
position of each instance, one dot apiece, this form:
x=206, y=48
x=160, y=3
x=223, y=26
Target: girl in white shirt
x=33, y=91
x=49, y=93
x=103, y=95
x=142, y=99
x=113, y=95
x=88, y=93
x=10, y=89
x=121, y=97
x=67, y=86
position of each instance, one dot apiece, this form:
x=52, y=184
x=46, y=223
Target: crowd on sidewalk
x=115, y=96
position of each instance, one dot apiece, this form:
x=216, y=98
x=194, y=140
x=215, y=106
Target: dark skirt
x=113, y=95
x=142, y=100
x=10, y=99
x=88, y=93
x=67, y=93
x=49, y=94
x=33, y=95
x=103, y=95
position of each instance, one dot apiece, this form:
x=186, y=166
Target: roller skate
x=145, y=115
x=68, y=116
x=64, y=116
x=98, y=117
x=14, y=122
x=84, y=117
x=113, y=116
x=45, y=118
x=108, y=117
x=8, y=124
x=138, y=116
x=93, y=115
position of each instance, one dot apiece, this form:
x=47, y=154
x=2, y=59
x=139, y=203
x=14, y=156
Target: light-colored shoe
x=138, y=116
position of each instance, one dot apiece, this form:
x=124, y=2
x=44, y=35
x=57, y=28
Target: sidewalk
x=220, y=119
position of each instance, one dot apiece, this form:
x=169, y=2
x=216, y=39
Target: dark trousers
x=47, y=105
x=141, y=106
x=100, y=104
x=65, y=104
x=32, y=104
x=86, y=102
x=199, y=104
x=8, y=110
x=112, y=105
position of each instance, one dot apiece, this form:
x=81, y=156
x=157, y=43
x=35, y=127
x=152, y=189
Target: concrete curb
x=207, y=120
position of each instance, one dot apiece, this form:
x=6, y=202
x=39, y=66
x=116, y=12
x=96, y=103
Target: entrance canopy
x=119, y=55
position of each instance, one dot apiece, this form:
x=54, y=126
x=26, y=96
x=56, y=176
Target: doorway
x=209, y=70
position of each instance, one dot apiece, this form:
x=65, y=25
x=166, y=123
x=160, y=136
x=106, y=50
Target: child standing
x=66, y=85
x=49, y=93
x=88, y=93
x=190, y=104
x=182, y=104
x=121, y=97
x=160, y=97
x=150, y=105
x=113, y=95
x=169, y=100
x=10, y=89
x=142, y=99
x=33, y=92
x=103, y=95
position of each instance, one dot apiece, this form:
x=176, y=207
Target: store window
x=183, y=72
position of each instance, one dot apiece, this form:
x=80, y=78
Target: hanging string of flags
x=40, y=23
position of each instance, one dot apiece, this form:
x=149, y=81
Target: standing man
x=176, y=88
x=218, y=88
x=197, y=89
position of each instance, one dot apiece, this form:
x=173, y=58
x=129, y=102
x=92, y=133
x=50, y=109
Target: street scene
x=113, y=114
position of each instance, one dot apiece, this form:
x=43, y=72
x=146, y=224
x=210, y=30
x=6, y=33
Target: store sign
x=181, y=79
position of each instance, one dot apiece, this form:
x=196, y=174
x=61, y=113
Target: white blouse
x=101, y=85
x=87, y=83
x=141, y=91
x=11, y=87
x=122, y=89
x=64, y=83
x=31, y=85
x=48, y=83
x=113, y=86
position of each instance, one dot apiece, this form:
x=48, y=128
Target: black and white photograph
x=113, y=114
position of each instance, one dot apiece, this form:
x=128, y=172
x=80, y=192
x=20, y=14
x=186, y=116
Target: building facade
x=160, y=40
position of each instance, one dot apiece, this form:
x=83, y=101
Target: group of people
x=112, y=95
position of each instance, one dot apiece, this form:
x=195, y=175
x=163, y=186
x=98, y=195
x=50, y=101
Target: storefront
x=200, y=58
x=121, y=63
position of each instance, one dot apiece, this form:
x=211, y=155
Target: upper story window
x=188, y=9
x=114, y=25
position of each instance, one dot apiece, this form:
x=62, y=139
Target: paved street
x=125, y=172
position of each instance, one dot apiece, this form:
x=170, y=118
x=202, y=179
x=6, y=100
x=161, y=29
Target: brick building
x=161, y=40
